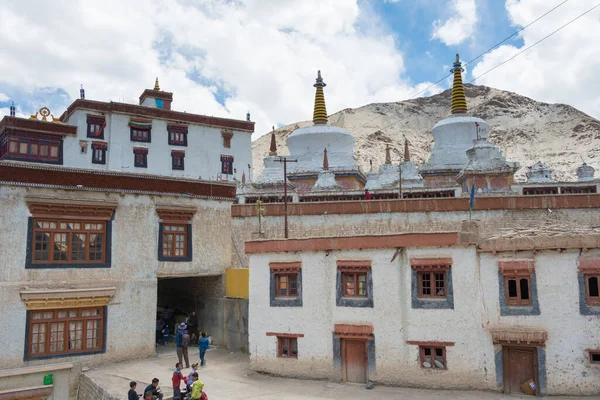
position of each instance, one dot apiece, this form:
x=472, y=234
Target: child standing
x=177, y=378
x=165, y=333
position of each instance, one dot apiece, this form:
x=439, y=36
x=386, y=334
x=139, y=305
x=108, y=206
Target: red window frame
x=177, y=160
x=351, y=284
x=175, y=237
x=520, y=299
x=592, y=297
x=286, y=346
x=31, y=149
x=65, y=331
x=287, y=282
x=54, y=241
x=227, y=165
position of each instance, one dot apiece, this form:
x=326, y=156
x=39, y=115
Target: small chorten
x=273, y=148
x=388, y=172
x=156, y=85
x=410, y=176
x=326, y=181
x=585, y=173
x=320, y=111
x=459, y=101
x=539, y=174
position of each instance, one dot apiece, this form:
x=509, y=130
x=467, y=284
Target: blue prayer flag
x=472, y=197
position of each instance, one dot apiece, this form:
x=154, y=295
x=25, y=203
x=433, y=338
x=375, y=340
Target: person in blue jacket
x=203, y=343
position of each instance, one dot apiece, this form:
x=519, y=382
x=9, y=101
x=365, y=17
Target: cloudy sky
x=226, y=57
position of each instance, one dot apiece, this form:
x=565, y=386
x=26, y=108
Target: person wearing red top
x=367, y=195
x=177, y=378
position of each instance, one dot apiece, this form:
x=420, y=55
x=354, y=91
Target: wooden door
x=519, y=367
x=355, y=360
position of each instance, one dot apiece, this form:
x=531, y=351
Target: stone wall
x=88, y=389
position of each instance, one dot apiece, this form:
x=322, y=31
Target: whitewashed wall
x=393, y=320
x=202, y=154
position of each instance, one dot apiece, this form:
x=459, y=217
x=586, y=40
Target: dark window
x=518, y=290
x=96, y=126
x=595, y=356
x=355, y=284
x=177, y=135
x=174, y=242
x=65, y=331
x=99, y=153
x=592, y=289
x=140, y=157
x=63, y=242
x=287, y=285
x=227, y=165
x=177, y=160
x=287, y=347
x=432, y=284
x=432, y=357
x=140, y=135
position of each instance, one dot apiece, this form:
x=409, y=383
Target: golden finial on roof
x=156, y=85
x=320, y=112
x=459, y=101
x=44, y=114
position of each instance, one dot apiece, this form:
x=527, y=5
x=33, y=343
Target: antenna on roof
x=12, y=109
x=81, y=93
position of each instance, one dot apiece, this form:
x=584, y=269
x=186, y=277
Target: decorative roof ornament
x=81, y=93
x=156, y=85
x=44, y=114
x=406, y=151
x=12, y=109
x=244, y=178
x=459, y=101
x=388, y=156
x=273, y=149
x=325, y=160
x=320, y=111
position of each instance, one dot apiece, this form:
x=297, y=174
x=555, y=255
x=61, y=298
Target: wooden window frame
x=591, y=300
x=177, y=135
x=99, y=152
x=178, y=160
x=140, y=157
x=52, y=232
x=33, y=149
x=95, y=121
x=518, y=301
x=175, y=217
x=355, y=275
x=289, y=340
x=433, y=283
x=592, y=353
x=432, y=348
x=134, y=135
x=65, y=321
x=173, y=234
x=289, y=275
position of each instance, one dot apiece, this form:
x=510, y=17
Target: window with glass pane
x=174, y=240
x=433, y=357
x=31, y=149
x=287, y=285
x=57, y=332
x=56, y=241
x=592, y=289
x=287, y=347
x=355, y=284
x=432, y=284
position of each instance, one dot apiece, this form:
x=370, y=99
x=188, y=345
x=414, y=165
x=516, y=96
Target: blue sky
x=225, y=58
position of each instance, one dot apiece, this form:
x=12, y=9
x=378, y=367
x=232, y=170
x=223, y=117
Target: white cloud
x=562, y=68
x=3, y=97
x=263, y=53
x=459, y=26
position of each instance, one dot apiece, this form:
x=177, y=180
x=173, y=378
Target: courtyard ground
x=226, y=377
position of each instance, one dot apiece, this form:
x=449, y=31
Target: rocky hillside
x=526, y=130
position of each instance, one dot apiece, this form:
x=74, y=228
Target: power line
x=493, y=47
x=536, y=43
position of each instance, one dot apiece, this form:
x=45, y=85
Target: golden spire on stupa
x=459, y=101
x=156, y=85
x=320, y=113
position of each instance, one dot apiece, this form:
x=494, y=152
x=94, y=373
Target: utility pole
x=284, y=160
x=400, y=179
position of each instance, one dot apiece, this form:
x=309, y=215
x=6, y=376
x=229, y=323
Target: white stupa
x=585, y=173
x=538, y=173
x=326, y=181
x=455, y=134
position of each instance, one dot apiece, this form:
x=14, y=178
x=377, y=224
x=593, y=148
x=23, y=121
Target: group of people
x=186, y=333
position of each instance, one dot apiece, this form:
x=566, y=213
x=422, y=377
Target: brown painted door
x=355, y=360
x=519, y=369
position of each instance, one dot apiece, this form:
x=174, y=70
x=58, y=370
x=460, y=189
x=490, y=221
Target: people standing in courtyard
x=154, y=390
x=197, y=387
x=190, y=379
x=192, y=324
x=160, y=324
x=203, y=344
x=132, y=394
x=177, y=378
x=182, y=340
